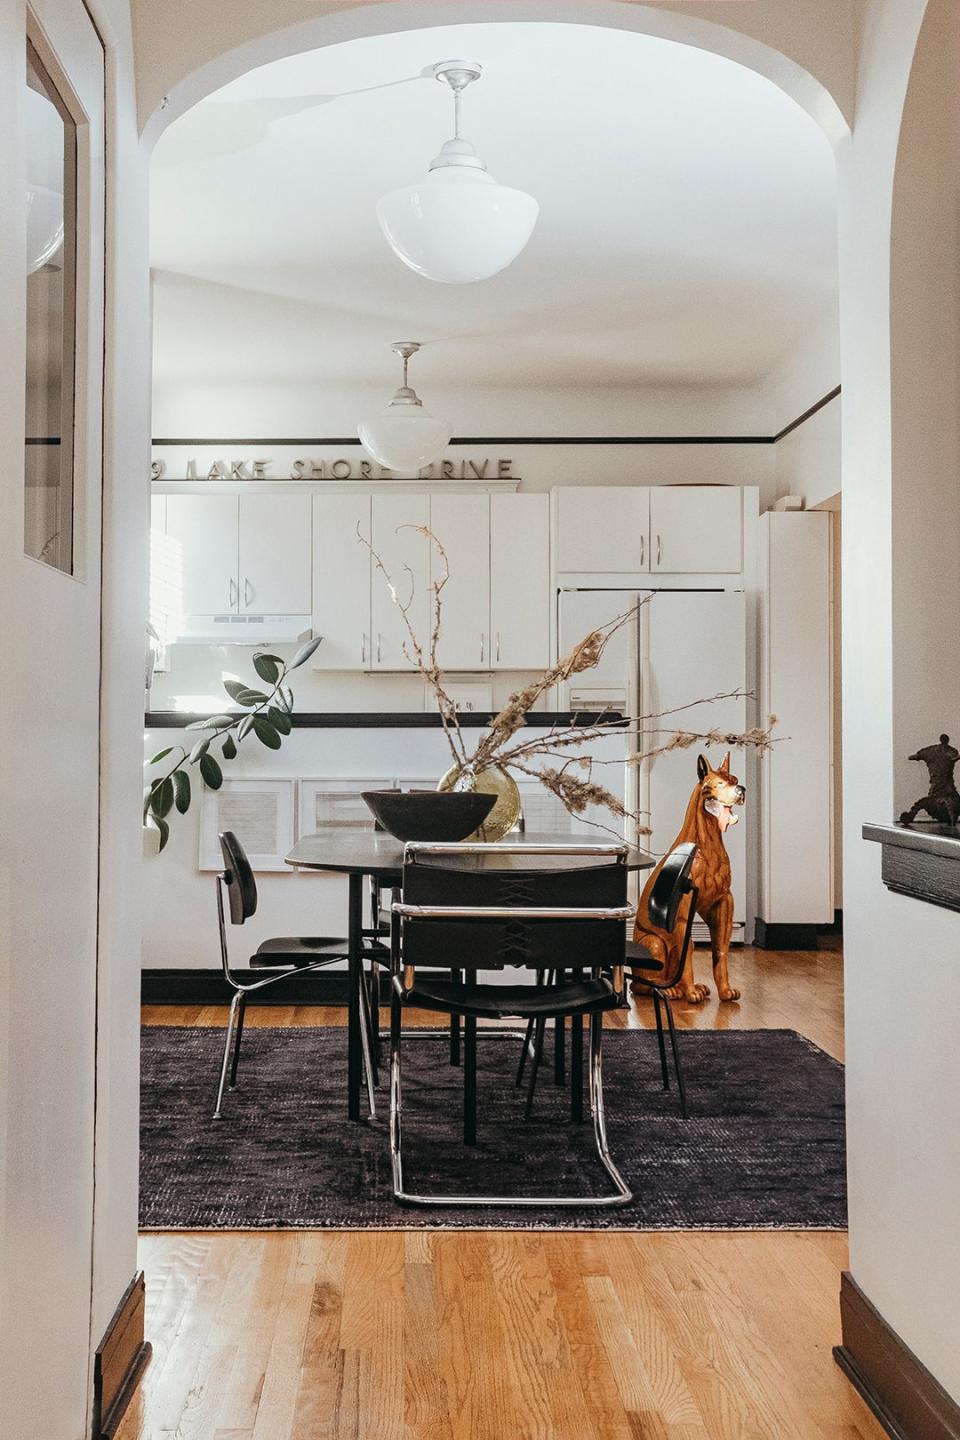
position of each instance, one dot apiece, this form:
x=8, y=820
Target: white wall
x=902, y=1000
x=808, y=459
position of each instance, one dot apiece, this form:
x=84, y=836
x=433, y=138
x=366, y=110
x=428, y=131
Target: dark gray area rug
x=763, y=1147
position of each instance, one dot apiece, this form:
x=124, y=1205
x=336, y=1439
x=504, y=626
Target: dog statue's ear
x=703, y=769
x=725, y=763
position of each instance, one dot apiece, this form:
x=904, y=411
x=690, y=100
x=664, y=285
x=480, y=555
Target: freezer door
x=692, y=646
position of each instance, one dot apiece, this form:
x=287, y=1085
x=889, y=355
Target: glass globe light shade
x=457, y=225
x=404, y=436
x=44, y=226
x=44, y=196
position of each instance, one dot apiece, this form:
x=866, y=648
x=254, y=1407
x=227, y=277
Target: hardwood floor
x=508, y=1336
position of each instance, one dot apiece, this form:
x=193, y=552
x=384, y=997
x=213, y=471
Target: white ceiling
x=686, y=232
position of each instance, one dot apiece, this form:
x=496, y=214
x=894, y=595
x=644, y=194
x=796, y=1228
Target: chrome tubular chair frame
x=402, y=982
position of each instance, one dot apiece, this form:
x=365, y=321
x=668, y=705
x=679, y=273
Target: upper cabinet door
x=405, y=554
x=520, y=581
x=274, y=574
x=461, y=523
x=341, y=581
x=603, y=529
x=202, y=539
x=696, y=529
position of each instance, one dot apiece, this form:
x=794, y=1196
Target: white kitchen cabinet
x=461, y=523
x=274, y=554
x=603, y=529
x=341, y=581
x=520, y=582
x=406, y=558
x=696, y=529
x=202, y=543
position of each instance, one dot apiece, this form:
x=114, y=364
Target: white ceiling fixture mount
x=457, y=225
x=404, y=437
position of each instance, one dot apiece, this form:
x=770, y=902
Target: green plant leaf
x=201, y=724
x=229, y=748
x=160, y=755
x=210, y=771
x=162, y=827
x=200, y=749
x=280, y=720
x=304, y=653
x=244, y=727
x=234, y=689
x=181, y=791
x=252, y=697
x=265, y=732
x=161, y=800
x=267, y=668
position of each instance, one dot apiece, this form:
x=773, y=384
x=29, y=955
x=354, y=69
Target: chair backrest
x=239, y=879
x=670, y=886
x=486, y=907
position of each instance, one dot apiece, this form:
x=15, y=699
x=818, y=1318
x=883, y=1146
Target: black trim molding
x=338, y=441
x=773, y=935
x=208, y=987
x=907, y=1400
x=395, y=719
x=120, y=1360
x=922, y=861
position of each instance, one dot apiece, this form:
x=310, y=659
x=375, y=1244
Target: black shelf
x=921, y=860
x=392, y=720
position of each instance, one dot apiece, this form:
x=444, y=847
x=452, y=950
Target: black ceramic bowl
x=429, y=814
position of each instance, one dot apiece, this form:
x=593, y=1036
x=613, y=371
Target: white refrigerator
x=681, y=646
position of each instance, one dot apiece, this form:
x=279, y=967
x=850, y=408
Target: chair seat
x=291, y=952
x=580, y=997
x=638, y=957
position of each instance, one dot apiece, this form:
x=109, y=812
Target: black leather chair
x=467, y=908
x=669, y=888
x=278, y=959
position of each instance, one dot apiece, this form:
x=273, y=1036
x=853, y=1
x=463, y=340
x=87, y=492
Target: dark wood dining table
x=372, y=854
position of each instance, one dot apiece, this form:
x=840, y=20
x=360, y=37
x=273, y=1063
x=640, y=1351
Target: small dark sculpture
x=942, y=802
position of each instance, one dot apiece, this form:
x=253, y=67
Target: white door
x=52, y=121
x=341, y=581
x=520, y=581
x=397, y=522
x=693, y=646
x=611, y=683
x=202, y=535
x=602, y=529
x=461, y=523
x=274, y=573
x=696, y=530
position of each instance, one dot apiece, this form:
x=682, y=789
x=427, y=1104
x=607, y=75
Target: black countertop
x=390, y=720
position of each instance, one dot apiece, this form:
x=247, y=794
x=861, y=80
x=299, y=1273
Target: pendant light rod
x=406, y=348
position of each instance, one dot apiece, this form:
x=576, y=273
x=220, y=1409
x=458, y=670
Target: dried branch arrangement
x=568, y=776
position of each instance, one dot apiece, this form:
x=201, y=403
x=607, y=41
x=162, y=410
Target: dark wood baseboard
x=771, y=935
x=119, y=1361
x=208, y=987
x=909, y=1403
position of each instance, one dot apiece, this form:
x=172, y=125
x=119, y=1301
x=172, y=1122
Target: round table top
x=374, y=852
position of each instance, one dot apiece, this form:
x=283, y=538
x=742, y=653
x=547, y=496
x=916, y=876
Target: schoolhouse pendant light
x=457, y=225
x=404, y=436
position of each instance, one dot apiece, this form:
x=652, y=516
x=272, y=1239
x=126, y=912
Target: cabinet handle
x=659, y=549
x=643, y=552
x=234, y=593
x=363, y=647
x=498, y=647
x=379, y=638
x=247, y=591
x=482, y=638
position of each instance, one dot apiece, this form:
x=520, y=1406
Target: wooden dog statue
x=709, y=813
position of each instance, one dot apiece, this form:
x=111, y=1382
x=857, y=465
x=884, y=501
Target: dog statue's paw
x=728, y=993
x=695, y=995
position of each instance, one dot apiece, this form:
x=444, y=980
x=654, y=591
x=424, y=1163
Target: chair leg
x=470, y=1080
x=234, y=1003
x=576, y=1067
x=456, y=977
x=527, y=1039
x=559, y=1050
x=366, y=1046
x=539, y=1034
x=599, y=1115
x=664, y=1071
x=396, y=1137
x=375, y=1015
x=241, y=1011
x=676, y=1058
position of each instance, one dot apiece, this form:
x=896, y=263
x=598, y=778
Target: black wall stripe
x=339, y=441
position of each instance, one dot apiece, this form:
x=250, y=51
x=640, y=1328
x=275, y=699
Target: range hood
x=238, y=629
